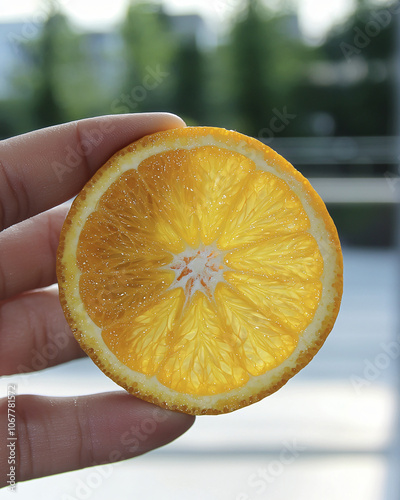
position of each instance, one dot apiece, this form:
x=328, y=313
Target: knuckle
x=14, y=199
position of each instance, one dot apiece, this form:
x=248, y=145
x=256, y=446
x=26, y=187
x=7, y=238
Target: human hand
x=39, y=171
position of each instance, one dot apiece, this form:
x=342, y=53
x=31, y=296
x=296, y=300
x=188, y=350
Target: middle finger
x=28, y=253
x=34, y=334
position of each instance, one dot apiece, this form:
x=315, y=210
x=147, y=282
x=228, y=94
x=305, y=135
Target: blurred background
x=318, y=82
x=315, y=82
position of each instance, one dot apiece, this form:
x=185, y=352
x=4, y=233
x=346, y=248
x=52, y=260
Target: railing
x=338, y=150
x=363, y=152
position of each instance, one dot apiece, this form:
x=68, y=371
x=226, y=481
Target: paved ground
x=329, y=433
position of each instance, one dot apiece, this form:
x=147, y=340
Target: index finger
x=42, y=169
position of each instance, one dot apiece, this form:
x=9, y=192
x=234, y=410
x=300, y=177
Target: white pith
x=199, y=269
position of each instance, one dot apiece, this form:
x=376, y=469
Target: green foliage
x=188, y=96
x=267, y=58
x=48, y=55
x=148, y=37
x=363, y=105
x=262, y=79
x=149, y=49
x=60, y=80
x=263, y=69
x=15, y=118
x=251, y=64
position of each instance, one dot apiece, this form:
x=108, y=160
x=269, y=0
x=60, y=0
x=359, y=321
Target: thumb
x=56, y=435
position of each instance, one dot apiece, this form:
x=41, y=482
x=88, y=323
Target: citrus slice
x=199, y=270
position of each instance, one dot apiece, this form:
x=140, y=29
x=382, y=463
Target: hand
x=39, y=171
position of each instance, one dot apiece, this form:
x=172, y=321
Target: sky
x=315, y=16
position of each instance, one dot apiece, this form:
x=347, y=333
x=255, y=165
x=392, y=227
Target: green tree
x=189, y=89
x=268, y=65
x=46, y=107
x=360, y=53
x=251, y=55
x=60, y=81
x=149, y=47
x=35, y=98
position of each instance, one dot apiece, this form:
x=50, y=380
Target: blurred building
x=102, y=48
x=12, y=57
x=192, y=27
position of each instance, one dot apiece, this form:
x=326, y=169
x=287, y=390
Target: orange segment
x=265, y=207
x=128, y=204
x=169, y=183
x=284, y=257
x=261, y=342
x=214, y=188
x=190, y=269
x=110, y=296
x=131, y=278
x=292, y=303
x=202, y=360
x=142, y=342
x=199, y=188
x=104, y=241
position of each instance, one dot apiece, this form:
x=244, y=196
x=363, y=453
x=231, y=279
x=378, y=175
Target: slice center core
x=198, y=269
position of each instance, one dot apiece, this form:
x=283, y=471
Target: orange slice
x=199, y=270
